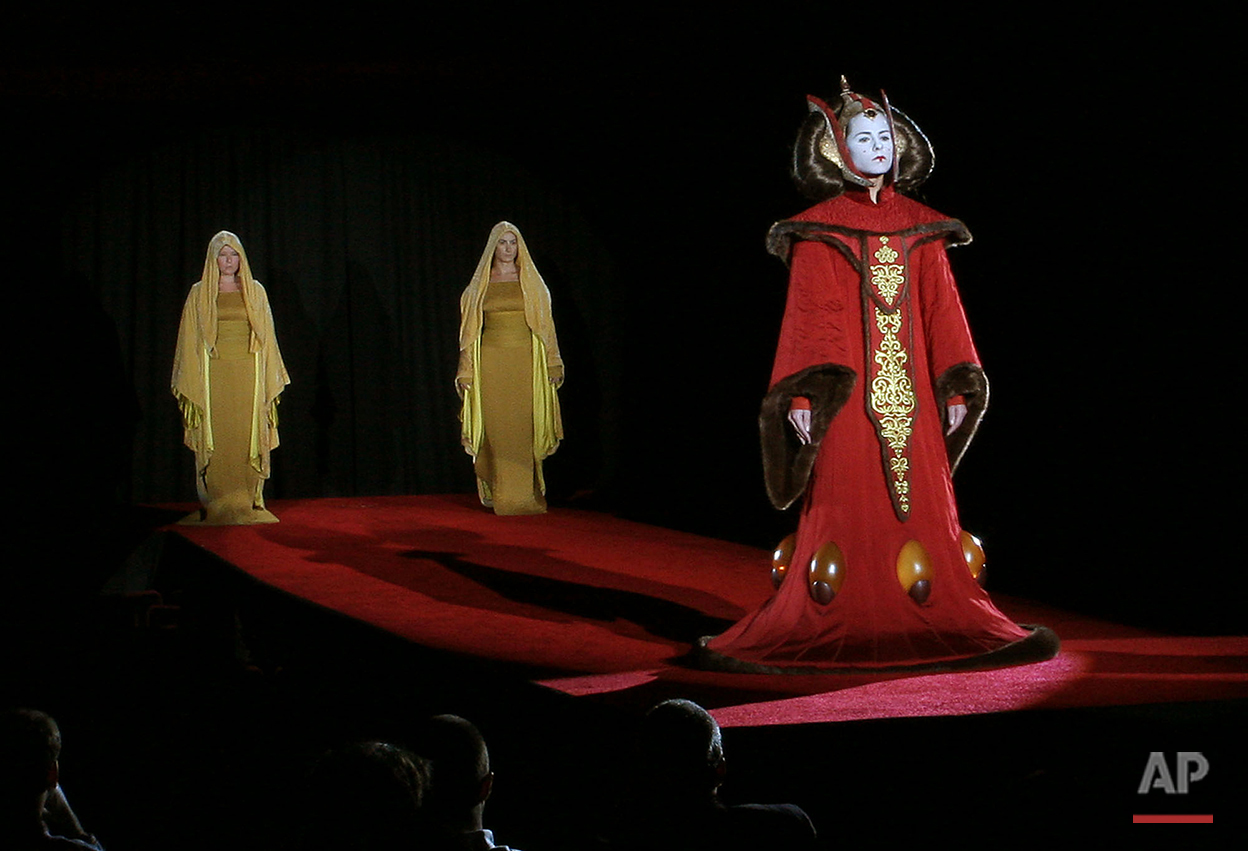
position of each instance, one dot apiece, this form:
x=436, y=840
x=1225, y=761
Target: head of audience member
x=680, y=752
x=460, y=776
x=366, y=795
x=30, y=748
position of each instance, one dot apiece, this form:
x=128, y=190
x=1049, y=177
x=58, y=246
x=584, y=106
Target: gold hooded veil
x=196, y=347
x=547, y=363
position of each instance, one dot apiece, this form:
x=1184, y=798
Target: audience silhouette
x=674, y=800
x=460, y=783
x=34, y=812
x=365, y=796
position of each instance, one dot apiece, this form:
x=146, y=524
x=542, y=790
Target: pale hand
x=956, y=414
x=799, y=418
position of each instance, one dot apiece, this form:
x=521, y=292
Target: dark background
x=363, y=159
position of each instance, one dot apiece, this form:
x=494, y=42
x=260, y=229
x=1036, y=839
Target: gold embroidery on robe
x=887, y=277
x=891, y=397
x=893, y=401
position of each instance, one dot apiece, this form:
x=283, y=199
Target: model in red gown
x=876, y=345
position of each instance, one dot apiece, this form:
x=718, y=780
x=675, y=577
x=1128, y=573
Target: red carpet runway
x=601, y=609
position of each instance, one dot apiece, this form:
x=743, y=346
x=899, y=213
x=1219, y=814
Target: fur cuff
x=786, y=462
x=966, y=380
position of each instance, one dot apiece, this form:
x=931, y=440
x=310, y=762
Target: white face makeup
x=227, y=260
x=870, y=143
x=505, y=251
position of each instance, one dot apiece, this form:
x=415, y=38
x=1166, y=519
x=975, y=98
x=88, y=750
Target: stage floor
x=600, y=608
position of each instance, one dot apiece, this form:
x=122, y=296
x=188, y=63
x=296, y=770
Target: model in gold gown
x=227, y=377
x=509, y=371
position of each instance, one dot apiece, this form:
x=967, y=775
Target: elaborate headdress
x=821, y=160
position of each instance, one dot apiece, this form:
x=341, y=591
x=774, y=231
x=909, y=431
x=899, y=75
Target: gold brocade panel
x=888, y=278
x=891, y=400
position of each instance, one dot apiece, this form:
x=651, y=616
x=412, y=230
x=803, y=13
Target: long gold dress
x=227, y=377
x=508, y=376
x=505, y=461
x=231, y=489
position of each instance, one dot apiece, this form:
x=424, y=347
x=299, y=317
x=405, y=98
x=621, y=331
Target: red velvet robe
x=867, y=318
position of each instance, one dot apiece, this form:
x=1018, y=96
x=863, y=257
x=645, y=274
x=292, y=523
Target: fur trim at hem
x=1042, y=644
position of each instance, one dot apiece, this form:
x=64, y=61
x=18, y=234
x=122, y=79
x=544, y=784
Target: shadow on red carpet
x=604, y=608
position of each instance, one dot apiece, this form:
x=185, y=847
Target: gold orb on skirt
x=973, y=552
x=827, y=573
x=781, y=559
x=914, y=571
